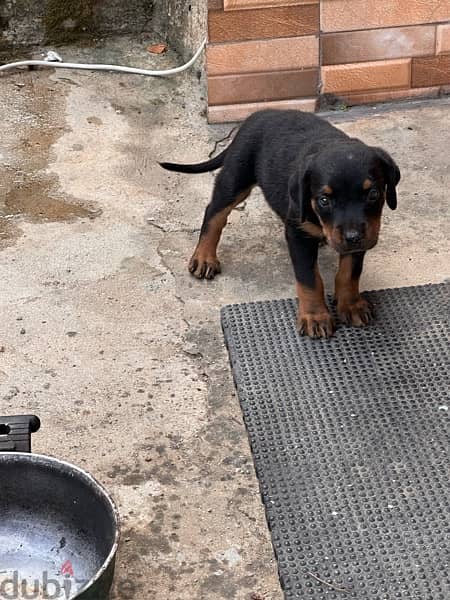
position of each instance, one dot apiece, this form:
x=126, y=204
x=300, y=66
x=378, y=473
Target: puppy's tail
x=202, y=167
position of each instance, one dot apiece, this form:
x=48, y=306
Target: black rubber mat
x=350, y=439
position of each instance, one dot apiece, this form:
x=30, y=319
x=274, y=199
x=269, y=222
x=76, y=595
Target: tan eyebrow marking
x=327, y=190
x=368, y=183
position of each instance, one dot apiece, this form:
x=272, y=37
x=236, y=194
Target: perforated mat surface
x=350, y=439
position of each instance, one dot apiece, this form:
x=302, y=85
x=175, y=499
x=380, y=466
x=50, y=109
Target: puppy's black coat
x=324, y=185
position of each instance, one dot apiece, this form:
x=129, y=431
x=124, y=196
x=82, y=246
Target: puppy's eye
x=323, y=201
x=373, y=195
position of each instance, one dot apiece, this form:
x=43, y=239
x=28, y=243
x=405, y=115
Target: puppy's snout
x=352, y=237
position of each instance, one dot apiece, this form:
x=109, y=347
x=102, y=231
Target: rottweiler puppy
x=323, y=184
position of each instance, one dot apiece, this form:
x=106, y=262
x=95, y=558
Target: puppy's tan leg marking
x=314, y=319
x=352, y=308
x=204, y=263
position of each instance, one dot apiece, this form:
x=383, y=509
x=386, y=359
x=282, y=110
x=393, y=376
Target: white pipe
x=94, y=67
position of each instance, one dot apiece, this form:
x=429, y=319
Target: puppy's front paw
x=315, y=325
x=204, y=267
x=357, y=313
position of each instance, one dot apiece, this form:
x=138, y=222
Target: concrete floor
x=106, y=336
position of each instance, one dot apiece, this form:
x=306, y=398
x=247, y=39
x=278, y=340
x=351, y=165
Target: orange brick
x=285, y=21
x=434, y=70
x=378, y=44
x=389, y=95
x=247, y=4
x=348, y=15
x=253, y=87
x=283, y=54
x=359, y=77
x=443, y=39
x=232, y=113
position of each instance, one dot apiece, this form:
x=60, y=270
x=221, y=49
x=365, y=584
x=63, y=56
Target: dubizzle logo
x=14, y=586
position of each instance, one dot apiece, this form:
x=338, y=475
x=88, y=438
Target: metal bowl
x=59, y=530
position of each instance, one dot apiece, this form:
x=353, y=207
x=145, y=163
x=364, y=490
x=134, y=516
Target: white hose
x=92, y=67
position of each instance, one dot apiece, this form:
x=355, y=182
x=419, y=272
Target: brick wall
x=290, y=53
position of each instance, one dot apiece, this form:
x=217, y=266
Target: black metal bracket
x=15, y=432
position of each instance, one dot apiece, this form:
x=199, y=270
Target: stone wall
x=182, y=23
x=31, y=22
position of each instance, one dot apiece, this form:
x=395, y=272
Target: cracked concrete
x=107, y=337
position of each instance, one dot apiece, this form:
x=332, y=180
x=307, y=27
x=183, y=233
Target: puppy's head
x=344, y=188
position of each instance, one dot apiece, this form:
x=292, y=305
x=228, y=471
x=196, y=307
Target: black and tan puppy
x=324, y=185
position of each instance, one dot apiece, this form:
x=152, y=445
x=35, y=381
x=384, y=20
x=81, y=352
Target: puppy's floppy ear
x=299, y=193
x=391, y=176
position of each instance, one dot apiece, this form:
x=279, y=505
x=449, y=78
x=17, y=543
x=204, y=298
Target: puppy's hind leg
x=227, y=194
